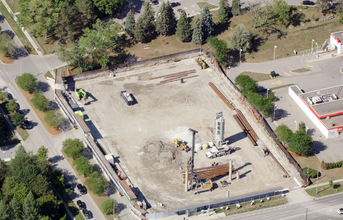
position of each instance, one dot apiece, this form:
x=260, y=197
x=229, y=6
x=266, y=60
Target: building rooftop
x=338, y=35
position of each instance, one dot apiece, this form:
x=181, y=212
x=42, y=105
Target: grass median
x=325, y=190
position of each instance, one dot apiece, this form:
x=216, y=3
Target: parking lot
x=141, y=135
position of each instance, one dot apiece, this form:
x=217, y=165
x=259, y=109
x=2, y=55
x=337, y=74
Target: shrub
x=53, y=119
x=107, y=206
x=11, y=106
x=96, y=183
x=27, y=82
x=73, y=148
x=40, y=102
x=83, y=167
x=311, y=173
x=17, y=119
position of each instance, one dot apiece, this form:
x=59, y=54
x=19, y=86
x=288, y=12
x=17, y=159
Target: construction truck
x=221, y=151
x=201, y=63
x=81, y=94
x=204, y=187
x=180, y=143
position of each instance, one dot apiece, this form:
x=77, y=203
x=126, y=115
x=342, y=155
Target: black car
x=308, y=3
x=174, y=4
x=155, y=2
x=81, y=204
x=82, y=189
x=27, y=124
x=88, y=214
x=9, y=96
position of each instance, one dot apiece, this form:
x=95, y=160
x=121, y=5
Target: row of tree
x=29, y=83
x=26, y=188
x=298, y=142
x=95, y=182
x=64, y=20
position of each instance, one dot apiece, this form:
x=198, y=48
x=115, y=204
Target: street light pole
x=240, y=56
x=317, y=49
x=274, y=50
x=312, y=46
x=273, y=119
x=267, y=93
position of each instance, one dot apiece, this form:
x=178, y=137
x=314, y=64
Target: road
x=322, y=208
x=38, y=135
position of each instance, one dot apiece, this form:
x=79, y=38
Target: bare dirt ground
x=141, y=135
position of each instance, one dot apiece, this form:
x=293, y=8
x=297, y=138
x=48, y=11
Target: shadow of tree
x=318, y=146
x=110, y=190
x=280, y=113
x=120, y=207
x=20, y=52
x=53, y=106
x=43, y=87
x=9, y=33
x=221, y=27
x=2, y=19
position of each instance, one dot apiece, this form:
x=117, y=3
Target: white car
x=340, y=211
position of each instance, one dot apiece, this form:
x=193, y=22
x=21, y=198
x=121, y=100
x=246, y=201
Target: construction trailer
x=127, y=97
x=81, y=94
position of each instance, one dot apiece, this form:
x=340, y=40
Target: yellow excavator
x=180, y=143
x=201, y=63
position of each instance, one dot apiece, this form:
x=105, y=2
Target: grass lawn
x=257, y=76
x=16, y=29
x=313, y=163
x=246, y=207
x=23, y=133
x=202, y=4
x=97, y=199
x=325, y=190
x=301, y=70
x=14, y=5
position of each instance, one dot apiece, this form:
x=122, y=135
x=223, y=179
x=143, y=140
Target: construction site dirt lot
x=141, y=135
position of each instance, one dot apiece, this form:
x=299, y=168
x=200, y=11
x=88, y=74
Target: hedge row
x=328, y=166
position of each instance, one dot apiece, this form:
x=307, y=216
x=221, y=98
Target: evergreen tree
x=4, y=212
x=198, y=36
x=171, y=22
x=30, y=208
x=241, y=38
x=130, y=24
x=236, y=7
x=161, y=20
x=148, y=19
x=224, y=10
x=184, y=31
x=15, y=209
x=207, y=22
x=139, y=32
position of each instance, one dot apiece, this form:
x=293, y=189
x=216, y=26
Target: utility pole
x=317, y=181
x=306, y=215
x=274, y=51
x=192, y=158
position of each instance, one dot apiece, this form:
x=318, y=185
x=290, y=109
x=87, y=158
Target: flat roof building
x=336, y=40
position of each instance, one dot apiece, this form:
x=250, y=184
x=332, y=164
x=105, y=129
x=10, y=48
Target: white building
x=324, y=107
x=336, y=40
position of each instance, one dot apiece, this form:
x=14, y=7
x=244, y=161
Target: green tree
x=109, y=6
x=20, y=192
x=302, y=127
x=27, y=82
x=139, y=32
x=17, y=119
x=41, y=186
x=262, y=104
x=241, y=38
x=246, y=84
x=49, y=205
x=107, y=206
x=15, y=209
x=43, y=153
x=2, y=96
x=53, y=119
x=341, y=18
x=11, y=106
x=207, y=22
x=30, y=208
x=82, y=166
x=301, y=143
x=183, y=29
x=331, y=183
x=73, y=148
x=283, y=133
x=148, y=20
x=282, y=11
x=3, y=172
x=4, y=211
x=236, y=7
x=96, y=183
x=220, y=50
x=40, y=102
x=7, y=186
x=224, y=10
x=130, y=24
x=7, y=45
x=165, y=21
x=198, y=35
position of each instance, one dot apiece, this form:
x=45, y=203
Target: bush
x=311, y=173
x=83, y=166
x=17, y=119
x=73, y=148
x=11, y=106
x=96, y=183
x=27, y=82
x=328, y=166
x=331, y=183
x=107, y=206
x=53, y=119
x=40, y=102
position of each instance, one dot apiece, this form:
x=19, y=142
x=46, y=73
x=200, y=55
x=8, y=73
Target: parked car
x=88, y=214
x=180, y=11
x=340, y=211
x=174, y=4
x=9, y=96
x=308, y=3
x=82, y=189
x=154, y=2
x=81, y=204
x=27, y=124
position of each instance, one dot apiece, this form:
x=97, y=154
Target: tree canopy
x=224, y=10
x=165, y=21
x=283, y=133
x=17, y=119
x=27, y=82
x=207, y=22
x=83, y=166
x=96, y=183
x=40, y=102
x=220, y=50
x=130, y=23
x=109, y=6
x=246, y=84
x=11, y=106
x=73, y=148
x=53, y=118
x=183, y=29
x=241, y=38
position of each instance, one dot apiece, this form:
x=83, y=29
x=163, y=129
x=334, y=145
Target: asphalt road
x=319, y=209
x=38, y=135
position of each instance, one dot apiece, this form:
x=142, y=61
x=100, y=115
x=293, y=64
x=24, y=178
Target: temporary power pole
x=192, y=158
